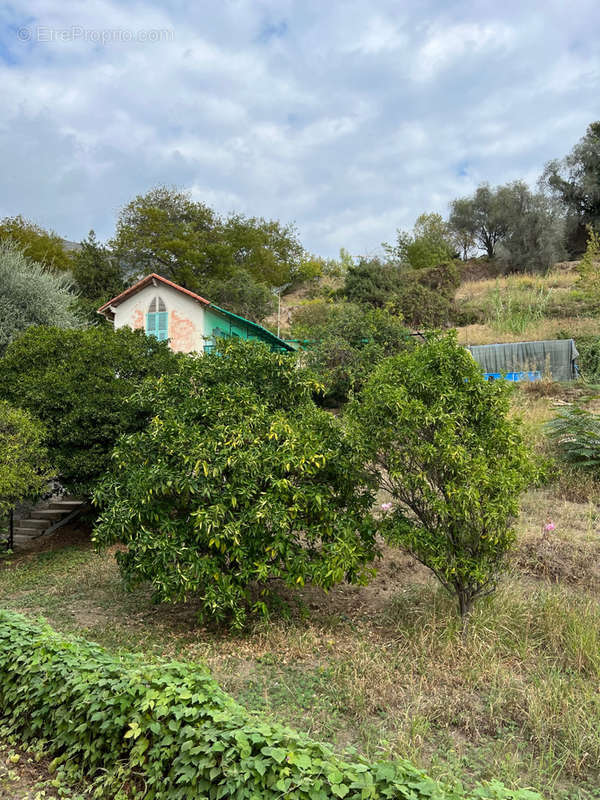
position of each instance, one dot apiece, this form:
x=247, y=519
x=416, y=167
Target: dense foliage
x=39, y=245
x=453, y=463
x=167, y=731
x=575, y=433
x=429, y=244
x=97, y=275
x=77, y=382
x=522, y=229
x=235, y=483
x=345, y=341
x=24, y=468
x=575, y=181
x=165, y=231
x=31, y=294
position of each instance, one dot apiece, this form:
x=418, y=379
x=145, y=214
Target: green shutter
x=157, y=324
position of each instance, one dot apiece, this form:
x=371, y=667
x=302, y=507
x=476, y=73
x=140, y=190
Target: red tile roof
x=142, y=284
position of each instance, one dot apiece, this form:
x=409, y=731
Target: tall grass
x=514, y=312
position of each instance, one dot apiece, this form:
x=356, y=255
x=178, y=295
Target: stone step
x=29, y=532
x=31, y=523
x=52, y=514
x=67, y=505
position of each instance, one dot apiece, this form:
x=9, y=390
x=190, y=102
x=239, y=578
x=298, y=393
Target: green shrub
x=345, y=342
x=576, y=435
x=77, y=383
x=166, y=731
x=23, y=459
x=232, y=486
x=442, y=444
x=589, y=357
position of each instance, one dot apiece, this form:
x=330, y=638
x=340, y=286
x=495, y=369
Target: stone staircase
x=45, y=519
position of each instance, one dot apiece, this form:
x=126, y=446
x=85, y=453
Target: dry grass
x=537, y=330
x=384, y=667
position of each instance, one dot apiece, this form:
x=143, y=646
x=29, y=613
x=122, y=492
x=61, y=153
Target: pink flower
x=386, y=506
x=549, y=526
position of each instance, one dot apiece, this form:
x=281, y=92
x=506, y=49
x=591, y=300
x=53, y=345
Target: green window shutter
x=157, y=324
x=162, y=326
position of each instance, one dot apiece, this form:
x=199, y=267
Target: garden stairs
x=46, y=518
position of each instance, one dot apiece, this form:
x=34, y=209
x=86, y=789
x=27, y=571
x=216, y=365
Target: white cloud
x=349, y=119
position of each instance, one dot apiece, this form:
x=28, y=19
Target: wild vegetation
x=294, y=551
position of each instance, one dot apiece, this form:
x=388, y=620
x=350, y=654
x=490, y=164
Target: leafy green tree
x=344, y=341
x=241, y=294
x=269, y=251
x=97, y=275
x=429, y=244
x=24, y=469
x=32, y=294
x=442, y=445
x=77, y=382
x=96, y=271
x=373, y=281
x=575, y=181
x=235, y=483
x=165, y=231
x=44, y=247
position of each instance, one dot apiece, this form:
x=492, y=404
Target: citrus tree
x=24, y=470
x=238, y=481
x=442, y=445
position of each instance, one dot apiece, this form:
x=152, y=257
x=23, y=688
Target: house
x=191, y=323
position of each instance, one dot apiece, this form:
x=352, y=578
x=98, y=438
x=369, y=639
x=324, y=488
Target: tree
x=429, y=244
x=31, y=294
x=39, y=245
x=534, y=235
x=24, y=469
x=241, y=294
x=520, y=228
x=373, y=281
x=97, y=275
x=78, y=382
x=344, y=343
x=96, y=271
x=442, y=445
x=165, y=231
x=269, y=251
x=575, y=181
x=226, y=491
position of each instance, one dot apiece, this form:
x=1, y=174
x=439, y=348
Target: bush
x=31, y=294
x=166, y=731
x=77, y=383
x=345, y=342
x=576, y=435
x=23, y=460
x=228, y=489
x=454, y=464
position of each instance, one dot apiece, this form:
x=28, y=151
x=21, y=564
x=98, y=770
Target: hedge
x=162, y=730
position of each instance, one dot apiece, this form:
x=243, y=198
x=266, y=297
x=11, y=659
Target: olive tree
x=441, y=443
x=32, y=294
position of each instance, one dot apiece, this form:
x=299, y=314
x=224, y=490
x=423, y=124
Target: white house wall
x=186, y=316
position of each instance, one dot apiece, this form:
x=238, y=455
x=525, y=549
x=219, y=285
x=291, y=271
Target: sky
x=347, y=117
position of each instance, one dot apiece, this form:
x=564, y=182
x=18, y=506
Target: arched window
x=157, y=319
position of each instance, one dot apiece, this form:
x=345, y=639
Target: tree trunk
x=465, y=606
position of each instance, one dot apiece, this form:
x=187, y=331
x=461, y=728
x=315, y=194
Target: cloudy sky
x=349, y=117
